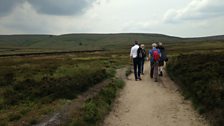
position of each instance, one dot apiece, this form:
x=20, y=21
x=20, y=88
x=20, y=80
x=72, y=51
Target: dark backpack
x=143, y=53
x=155, y=55
x=140, y=53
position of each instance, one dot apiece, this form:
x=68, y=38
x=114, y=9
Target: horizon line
x=98, y=33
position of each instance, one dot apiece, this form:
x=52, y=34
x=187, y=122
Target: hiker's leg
x=135, y=68
x=161, y=64
x=155, y=71
x=143, y=66
x=140, y=63
x=161, y=69
x=139, y=68
x=151, y=69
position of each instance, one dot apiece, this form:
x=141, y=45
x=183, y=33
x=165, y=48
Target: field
x=37, y=85
x=41, y=73
x=29, y=44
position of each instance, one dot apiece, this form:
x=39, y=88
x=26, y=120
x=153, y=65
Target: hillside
x=79, y=41
x=76, y=42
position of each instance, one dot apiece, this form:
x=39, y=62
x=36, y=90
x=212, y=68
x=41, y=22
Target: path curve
x=149, y=103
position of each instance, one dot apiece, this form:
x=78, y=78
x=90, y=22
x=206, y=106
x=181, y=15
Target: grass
x=201, y=78
x=35, y=86
x=95, y=109
x=128, y=71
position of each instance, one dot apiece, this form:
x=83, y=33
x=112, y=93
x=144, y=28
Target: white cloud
x=196, y=18
x=196, y=10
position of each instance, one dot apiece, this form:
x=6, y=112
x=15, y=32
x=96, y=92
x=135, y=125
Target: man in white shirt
x=136, y=60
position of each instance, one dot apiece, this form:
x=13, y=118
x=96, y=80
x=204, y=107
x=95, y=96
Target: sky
x=183, y=18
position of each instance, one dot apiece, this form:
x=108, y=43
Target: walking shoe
x=140, y=78
x=156, y=80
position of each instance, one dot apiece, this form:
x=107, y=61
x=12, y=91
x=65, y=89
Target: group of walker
x=156, y=56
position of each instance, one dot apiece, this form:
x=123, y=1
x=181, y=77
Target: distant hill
x=21, y=40
x=80, y=41
x=208, y=38
x=92, y=41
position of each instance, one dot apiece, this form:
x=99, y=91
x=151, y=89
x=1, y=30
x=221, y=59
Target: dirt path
x=149, y=103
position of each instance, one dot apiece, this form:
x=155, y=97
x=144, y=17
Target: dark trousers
x=151, y=69
x=142, y=65
x=154, y=70
x=137, y=67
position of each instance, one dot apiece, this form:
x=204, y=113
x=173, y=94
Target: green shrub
x=91, y=113
x=66, y=82
x=3, y=123
x=14, y=116
x=33, y=121
x=43, y=80
x=201, y=77
x=96, y=108
x=128, y=71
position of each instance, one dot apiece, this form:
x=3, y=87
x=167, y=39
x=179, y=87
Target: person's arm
x=149, y=55
x=160, y=54
x=145, y=55
x=131, y=53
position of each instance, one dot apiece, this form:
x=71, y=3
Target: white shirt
x=134, y=50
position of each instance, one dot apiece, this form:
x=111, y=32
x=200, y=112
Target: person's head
x=136, y=42
x=160, y=43
x=154, y=45
x=142, y=46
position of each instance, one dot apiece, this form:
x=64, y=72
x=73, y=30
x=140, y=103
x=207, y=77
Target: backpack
x=140, y=53
x=155, y=55
x=143, y=53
